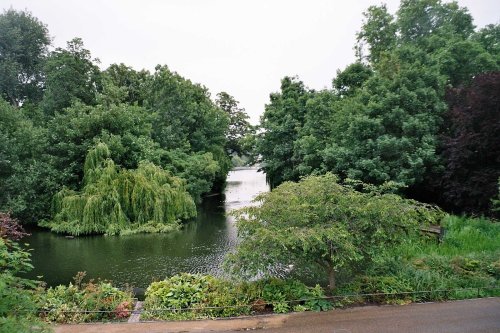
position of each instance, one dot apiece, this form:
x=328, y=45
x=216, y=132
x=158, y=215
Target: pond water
x=136, y=260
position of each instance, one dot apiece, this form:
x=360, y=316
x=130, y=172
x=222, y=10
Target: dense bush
x=188, y=296
x=83, y=302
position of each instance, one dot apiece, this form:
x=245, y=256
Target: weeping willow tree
x=120, y=201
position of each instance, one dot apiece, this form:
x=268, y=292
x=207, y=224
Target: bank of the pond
x=138, y=259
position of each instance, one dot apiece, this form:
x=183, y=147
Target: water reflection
x=138, y=259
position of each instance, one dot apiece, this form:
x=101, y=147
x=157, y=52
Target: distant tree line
x=419, y=107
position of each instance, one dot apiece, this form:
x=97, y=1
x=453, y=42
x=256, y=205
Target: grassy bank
x=468, y=257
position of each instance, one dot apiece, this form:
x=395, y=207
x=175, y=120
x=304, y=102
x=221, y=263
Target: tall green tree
x=134, y=84
x=239, y=127
x=317, y=131
x=418, y=20
x=23, y=48
x=71, y=75
x=27, y=176
x=351, y=78
x=378, y=33
x=443, y=31
x=391, y=135
x=382, y=119
x=126, y=129
x=281, y=122
x=489, y=38
x=187, y=119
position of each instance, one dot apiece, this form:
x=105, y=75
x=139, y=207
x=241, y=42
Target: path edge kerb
x=226, y=324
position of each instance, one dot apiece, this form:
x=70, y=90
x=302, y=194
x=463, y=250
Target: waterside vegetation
x=406, y=137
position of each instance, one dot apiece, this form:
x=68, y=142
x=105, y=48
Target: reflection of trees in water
x=136, y=259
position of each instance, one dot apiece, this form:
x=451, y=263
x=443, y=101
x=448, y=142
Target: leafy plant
x=320, y=223
x=191, y=296
x=18, y=309
x=84, y=302
x=467, y=258
x=112, y=199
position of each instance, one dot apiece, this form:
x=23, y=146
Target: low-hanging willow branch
x=118, y=201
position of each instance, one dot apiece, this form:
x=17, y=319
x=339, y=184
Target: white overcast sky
x=241, y=47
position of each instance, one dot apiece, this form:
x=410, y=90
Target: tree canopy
x=24, y=42
x=239, y=127
x=57, y=106
x=115, y=200
x=72, y=75
x=319, y=222
x=385, y=115
x=470, y=146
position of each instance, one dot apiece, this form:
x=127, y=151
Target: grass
x=464, y=236
x=468, y=257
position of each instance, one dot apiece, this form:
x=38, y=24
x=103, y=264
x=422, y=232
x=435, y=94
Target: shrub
x=194, y=296
x=82, y=302
x=17, y=307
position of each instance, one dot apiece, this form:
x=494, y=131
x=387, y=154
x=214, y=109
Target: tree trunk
x=331, y=279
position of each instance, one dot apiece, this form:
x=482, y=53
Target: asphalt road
x=477, y=316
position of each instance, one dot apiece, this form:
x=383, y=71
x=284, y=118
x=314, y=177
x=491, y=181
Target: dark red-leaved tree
x=471, y=146
x=10, y=228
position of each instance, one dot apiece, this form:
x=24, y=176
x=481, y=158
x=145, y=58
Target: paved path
x=478, y=316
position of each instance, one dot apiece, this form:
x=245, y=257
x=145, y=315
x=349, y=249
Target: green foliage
x=17, y=308
x=23, y=47
x=71, y=75
x=125, y=129
x=378, y=32
x=350, y=79
x=386, y=112
x=195, y=296
x=238, y=128
x=113, y=200
x=198, y=169
x=67, y=304
x=467, y=258
x=186, y=115
x=466, y=236
x=489, y=38
x=188, y=120
x=27, y=178
x=281, y=122
x=320, y=222
x=424, y=18
x=391, y=134
x=132, y=85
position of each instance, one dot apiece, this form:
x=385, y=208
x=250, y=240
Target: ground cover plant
x=195, y=296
